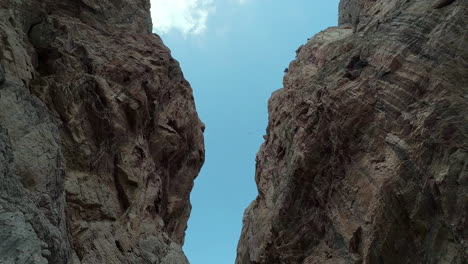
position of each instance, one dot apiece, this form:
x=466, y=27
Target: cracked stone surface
x=100, y=141
x=366, y=154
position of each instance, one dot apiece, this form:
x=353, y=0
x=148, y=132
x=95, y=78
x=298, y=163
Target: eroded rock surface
x=366, y=153
x=99, y=138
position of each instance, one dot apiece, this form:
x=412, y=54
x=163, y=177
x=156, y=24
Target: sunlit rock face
x=99, y=138
x=366, y=154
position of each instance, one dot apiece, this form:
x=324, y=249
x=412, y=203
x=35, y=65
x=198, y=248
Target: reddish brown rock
x=366, y=153
x=99, y=138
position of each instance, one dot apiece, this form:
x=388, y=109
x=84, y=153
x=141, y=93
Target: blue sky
x=233, y=52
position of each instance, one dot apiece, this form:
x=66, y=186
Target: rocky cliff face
x=99, y=138
x=366, y=154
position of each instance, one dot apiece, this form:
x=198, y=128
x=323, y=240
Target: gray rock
x=103, y=141
x=31, y=171
x=365, y=157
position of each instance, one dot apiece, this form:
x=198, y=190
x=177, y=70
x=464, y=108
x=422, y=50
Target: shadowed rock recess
x=99, y=138
x=366, y=154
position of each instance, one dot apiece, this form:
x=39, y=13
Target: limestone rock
x=100, y=141
x=366, y=153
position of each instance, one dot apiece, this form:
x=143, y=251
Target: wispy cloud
x=187, y=16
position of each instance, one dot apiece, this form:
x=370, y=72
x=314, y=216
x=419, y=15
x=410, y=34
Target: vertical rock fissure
x=122, y=196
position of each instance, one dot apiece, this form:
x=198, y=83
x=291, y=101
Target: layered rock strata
x=366, y=154
x=99, y=138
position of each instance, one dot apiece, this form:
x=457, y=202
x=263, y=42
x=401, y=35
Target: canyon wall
x=99, y=138
x=366, y=154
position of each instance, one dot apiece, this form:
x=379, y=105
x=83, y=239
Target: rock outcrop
x=366, y=154
x=99, y=138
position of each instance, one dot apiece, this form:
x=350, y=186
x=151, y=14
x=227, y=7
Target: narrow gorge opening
x=234, y=61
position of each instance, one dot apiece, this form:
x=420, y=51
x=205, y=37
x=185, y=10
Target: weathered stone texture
x=366, y=154
x=99, y=138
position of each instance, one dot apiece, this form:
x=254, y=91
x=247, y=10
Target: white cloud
x=187, y=16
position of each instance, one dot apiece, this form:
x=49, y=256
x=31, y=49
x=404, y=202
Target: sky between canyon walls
x=233, y=52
